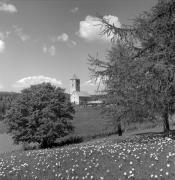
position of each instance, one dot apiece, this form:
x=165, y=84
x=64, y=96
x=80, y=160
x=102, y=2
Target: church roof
x=74, y=77
x=82, y=93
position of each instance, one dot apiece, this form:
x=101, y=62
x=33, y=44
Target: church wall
x=74, y=85
x=74, y=98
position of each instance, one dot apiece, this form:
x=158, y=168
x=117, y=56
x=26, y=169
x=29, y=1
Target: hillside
x=91, y=121
x=135, y=157
x=87, y=121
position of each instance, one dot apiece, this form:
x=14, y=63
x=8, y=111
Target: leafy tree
x=139, y=73
x=126, y=88
x=5, y=101
x=40, y=114
x=156, y=32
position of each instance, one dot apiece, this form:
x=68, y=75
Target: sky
x=50, y=40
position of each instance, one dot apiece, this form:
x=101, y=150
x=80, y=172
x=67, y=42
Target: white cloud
x=1, y=87
x=61, y=38
x=92, y=82
x=2, y=46
x=74, y=10
x=89, y=83
x=45, y=49
x=50, y=50
x=94, y=85
x=4, y=35
x=73, y=43
x=33, y=80
x=19, y=32
x=91, y=28
x=7, y=7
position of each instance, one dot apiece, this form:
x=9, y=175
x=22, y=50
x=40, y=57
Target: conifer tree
x=140, y=70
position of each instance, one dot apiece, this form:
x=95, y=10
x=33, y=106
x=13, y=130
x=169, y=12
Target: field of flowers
x=139, y=157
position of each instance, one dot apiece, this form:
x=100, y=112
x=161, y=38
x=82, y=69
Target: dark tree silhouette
x=5, y=101
x=40, y=114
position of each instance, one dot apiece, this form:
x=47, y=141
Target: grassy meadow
x=134, y=157
x=87, y=121
x=89, y=124
x=90, y=121
x=142, y=156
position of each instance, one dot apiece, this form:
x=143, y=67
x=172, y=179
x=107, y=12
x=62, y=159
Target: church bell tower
x=74, y=84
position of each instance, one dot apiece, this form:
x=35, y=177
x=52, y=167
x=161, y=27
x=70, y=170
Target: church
x=77, y=96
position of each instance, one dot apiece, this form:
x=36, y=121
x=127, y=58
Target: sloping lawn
x=87, y=121
x=136, y=157
x=90, y=121
x=6, y=144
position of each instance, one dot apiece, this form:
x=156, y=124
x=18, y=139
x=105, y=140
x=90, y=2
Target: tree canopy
x=40, y=114
x=5, y=101
x=139, y=72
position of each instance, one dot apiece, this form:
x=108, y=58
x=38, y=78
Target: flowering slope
x=108, y=158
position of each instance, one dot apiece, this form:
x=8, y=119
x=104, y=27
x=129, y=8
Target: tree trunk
x=166, y=120
x=119, y=129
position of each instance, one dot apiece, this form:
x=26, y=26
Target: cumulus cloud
x=20, y=33
x=61, y=38
x=91, y=28
x=65, y=39
x=33, y=80
x=7, y=7
x=45, y=49
x=2, y=46
x=74, y=43
x=92, y=82
x=1, y=87
x=89, y=83
x=4, y=35
x=92, y=86
x=74, y=10
x=50, y=50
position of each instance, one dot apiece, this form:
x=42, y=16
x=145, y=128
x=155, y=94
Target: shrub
x=69, y=140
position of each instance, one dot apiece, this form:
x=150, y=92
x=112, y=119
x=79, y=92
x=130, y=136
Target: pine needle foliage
x=139, y=71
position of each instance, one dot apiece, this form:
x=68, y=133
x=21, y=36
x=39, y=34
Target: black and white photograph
x=87, y=89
